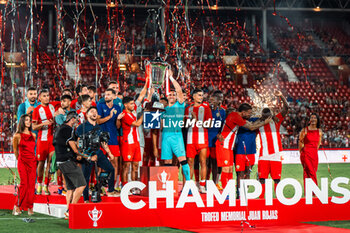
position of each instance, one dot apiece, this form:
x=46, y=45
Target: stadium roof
x=299, y=5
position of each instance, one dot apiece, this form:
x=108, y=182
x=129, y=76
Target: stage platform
x=7, y=197
x=112, y=213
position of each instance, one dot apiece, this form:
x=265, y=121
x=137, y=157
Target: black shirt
x=62, y=136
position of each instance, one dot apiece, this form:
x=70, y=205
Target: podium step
x=55, y=210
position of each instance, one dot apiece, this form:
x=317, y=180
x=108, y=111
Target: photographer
x=66, y=154
x=87, y=139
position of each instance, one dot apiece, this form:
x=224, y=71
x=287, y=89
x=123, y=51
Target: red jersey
x=198, y=135
x=230, y=128
x=130, y=133
x=56, y=104
x=75, y=104
x=270, y=139
x=42, y=114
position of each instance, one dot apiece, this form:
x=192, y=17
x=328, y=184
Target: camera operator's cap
x=70, y=115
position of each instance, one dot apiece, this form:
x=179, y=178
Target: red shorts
x=266, y=167
x=212, y=152
x=224, y=157
x=193, y=149
x=115, y=150
x=131, y=152
x=243, y=161
x=43, y=149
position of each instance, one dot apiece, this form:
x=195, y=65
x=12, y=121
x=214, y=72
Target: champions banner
x=192, y=209
x=288, y=157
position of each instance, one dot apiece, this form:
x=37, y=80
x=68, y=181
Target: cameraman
x=66, y=154
x=97, y=155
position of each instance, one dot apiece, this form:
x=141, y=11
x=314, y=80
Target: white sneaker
x=112, y=194
x=137, y=191
x=202, y=189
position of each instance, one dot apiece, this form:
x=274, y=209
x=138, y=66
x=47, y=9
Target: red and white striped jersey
x=130, y=133
x=40, y=115
x=198, y=135
x=270, y=139
x=229, y=131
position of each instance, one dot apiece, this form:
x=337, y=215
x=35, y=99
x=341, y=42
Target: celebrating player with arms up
x=172, y=140
x=271, y=145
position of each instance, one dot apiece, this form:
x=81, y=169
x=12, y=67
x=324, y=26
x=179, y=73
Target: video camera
x=90, y=142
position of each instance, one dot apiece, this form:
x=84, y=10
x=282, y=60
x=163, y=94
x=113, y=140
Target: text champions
x=190, y=193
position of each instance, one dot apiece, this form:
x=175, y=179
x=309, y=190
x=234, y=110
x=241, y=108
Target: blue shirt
x=61, y=118
x=172, y=117
x=217, y=115
x=110, y=125
x=22, y=108
x=248, y=137
x=116, y=101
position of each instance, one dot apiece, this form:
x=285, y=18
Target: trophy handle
x=100, y=214
x=90, y=214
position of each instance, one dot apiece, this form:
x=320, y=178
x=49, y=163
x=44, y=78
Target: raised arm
x=178, y=89
x=150, y=94
x=285, y=108
x=143, y=92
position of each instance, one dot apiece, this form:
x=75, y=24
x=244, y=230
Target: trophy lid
x=155, y=106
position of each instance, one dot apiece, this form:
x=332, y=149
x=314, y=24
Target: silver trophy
x=157, y=71
x=95, y=215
